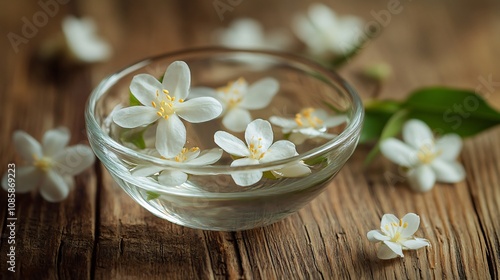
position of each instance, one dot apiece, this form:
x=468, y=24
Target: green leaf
x=448, y=110
x=373, y=124
x=383, y=106
x=377, y=114
x=152, y=195
x=269, y=175
x=392, y=128
x=134, y=136
x=316, y=160
x=132, y=100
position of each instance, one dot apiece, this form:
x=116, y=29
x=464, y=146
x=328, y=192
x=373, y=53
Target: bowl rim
x=353, y=127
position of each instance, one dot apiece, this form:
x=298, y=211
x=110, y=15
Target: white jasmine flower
x=83, y=41
x=259, y=148
x=168, y=177
x=51, y=164
x=427, y=160
x=246, y=33
x=237, y=98
x=325, y=34
x=165, y=102
x=309, y=123
x=396, y=235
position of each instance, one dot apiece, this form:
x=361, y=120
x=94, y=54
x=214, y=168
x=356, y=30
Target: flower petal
x=448, y=171
x=450, y=146
x=246, y=178
x=422, y=178
x=231, y=144
x=398, y=152
x=298, y=138
x=395, y=247
x=54, y=140
x=286, y=124
x=377, y=236
x=386, y=252
x=191, y=154
x=311, y=132
x=316, y=42
x=26, y=146
x=73, y=160
x=54, y=188
x=237, y=119
x=199, y=109
x=177, y=79
x=412, y=222
x=260, y=94
x=82, y=40
x=172, y=178
x=259, y=130
x=145, y=170
x=144, y=87
x=207, y=157
x=417, y=243
x=135, y=116
x=417, y=134
x=279, y=150
x=70, y=182
x=321, y=15
x=387, y=220
x=242, y=33
x=27, y=178
x=170, y=136
x=333, y=121
x=297, y=169
x=202, y=92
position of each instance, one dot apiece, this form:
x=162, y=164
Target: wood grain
x=100, y=233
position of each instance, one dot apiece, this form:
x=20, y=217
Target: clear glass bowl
x=210, y=199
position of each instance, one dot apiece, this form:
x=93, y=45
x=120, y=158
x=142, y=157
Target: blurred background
x=426, y=42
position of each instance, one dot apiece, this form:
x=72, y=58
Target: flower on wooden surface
x=237, y=98
x=396, y=235
x=167, y=177
x=246, y=33
x=309, y=123
x=259, y=148
x=82, y=40
x=427, y=160
x=326, y=34
x=165, y=102
x=50, y=164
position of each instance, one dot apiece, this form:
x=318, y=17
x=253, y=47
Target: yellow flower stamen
x=182, y=156
x=43, y=163
x=255, y=149
x=426, y=154
x=396, y=236
x=165, y=105
x=233, y=96
x=306, y=116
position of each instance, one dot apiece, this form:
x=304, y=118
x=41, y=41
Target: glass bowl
x=210, y=199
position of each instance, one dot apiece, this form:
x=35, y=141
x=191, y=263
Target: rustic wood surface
x=99, y=232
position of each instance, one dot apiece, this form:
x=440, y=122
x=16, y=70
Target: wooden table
x=99, y=232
